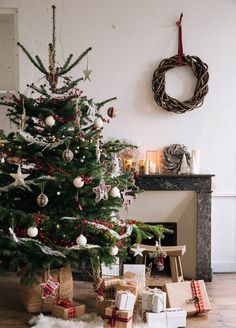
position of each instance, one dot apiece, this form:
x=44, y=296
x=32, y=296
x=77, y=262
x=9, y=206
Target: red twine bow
x=66, y=304
x=197, y=296
x=111, y=320
x=180, y=40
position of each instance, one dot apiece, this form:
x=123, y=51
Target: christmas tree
x=60, y=182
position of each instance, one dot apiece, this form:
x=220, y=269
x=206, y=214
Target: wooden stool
x=174, y=253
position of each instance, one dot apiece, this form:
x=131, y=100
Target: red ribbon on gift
x=197, y=296
x=66, y=304
x=111, y=320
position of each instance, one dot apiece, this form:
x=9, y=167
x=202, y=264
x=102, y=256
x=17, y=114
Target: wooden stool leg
x=174, y=269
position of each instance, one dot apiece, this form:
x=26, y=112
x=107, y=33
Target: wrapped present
x=171, y=318
x=135, y=273
x=125, y=300
x=65, y=309
x=101, y=306
x=153, y=300
x=190, y=296
x=127, y=285
x=115, y=318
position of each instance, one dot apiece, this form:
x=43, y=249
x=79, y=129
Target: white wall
x=129, y=38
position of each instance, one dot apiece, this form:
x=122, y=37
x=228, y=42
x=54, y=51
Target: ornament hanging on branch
x=23, y=118
x=19, y=177
x=138, y=250
x=42, y=199
x=81, y=240
x=87, y=72
x=127, y=199
x=98, y=151
x=113, y=250
x=115, y=192
x=78, y=182
x=101, y=191
x=32, y=232
x=50, y=121
x=49, y=288
x=98, y=123
x=111, y=112
x=67, y=155
x=200, y=71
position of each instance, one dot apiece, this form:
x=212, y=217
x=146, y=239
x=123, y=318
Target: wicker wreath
x=200, y=70
x=172, y=158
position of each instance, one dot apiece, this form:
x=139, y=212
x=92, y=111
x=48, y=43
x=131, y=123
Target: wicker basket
x=31, y=295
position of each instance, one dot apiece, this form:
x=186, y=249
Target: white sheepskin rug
x=89, y=320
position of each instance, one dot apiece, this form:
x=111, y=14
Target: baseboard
x=219, y=267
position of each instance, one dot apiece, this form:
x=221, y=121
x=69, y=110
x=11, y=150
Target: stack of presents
x=127, y=299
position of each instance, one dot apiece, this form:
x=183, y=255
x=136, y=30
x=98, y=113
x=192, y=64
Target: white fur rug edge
x=88, y=320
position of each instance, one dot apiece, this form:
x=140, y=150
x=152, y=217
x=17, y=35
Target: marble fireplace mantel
x=201, y=184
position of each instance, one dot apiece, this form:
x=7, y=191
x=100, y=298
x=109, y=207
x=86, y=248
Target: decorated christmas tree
x=60, y=182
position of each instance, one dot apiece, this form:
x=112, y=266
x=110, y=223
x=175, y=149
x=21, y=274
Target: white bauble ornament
x=50, y=121
x=115, y=192
x=98, y=123
x=42, y=200
x=114, y=250
x=78, y=182
x=67, y=155
x=81, y=240
x=32, y=232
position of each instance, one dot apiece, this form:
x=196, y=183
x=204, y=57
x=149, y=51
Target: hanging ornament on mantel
x=199, y=70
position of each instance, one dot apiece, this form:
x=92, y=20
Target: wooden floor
x=222, y=294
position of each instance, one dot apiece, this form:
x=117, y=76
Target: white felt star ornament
x=138, y=251
x=19, y=177
x=87, y=73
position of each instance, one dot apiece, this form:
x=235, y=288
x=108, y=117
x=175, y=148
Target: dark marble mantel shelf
x=201, y=184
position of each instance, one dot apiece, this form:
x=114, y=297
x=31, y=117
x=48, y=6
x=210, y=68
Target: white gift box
x=153, y=300
x=125, y=300
x=139, y=271
x=171, y=318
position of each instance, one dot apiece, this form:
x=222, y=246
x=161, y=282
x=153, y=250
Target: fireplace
x=201, y=186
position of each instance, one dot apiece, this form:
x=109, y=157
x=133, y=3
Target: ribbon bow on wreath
x=199, y=69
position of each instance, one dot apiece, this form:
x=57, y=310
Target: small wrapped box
x=171, y=318
x=190, y=296
x=125, y=300
x=135, y=273
x=127, y=285
x=115, y=318
x=153, y=300
x=65, y=309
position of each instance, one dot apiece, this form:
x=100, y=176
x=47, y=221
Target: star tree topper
x=19, y=177
x=101, y=191
x=49, y=288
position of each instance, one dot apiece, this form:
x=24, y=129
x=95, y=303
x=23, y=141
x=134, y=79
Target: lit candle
x=128, y=164
x=147, y=167
x=141, y=166
x=152, y=168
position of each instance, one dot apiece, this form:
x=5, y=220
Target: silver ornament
x=42, y=200
x=67, y=155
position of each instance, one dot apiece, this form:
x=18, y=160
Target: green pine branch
x=32, y=59
x=67, y=62
x=101, y=104
x=64, y=71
